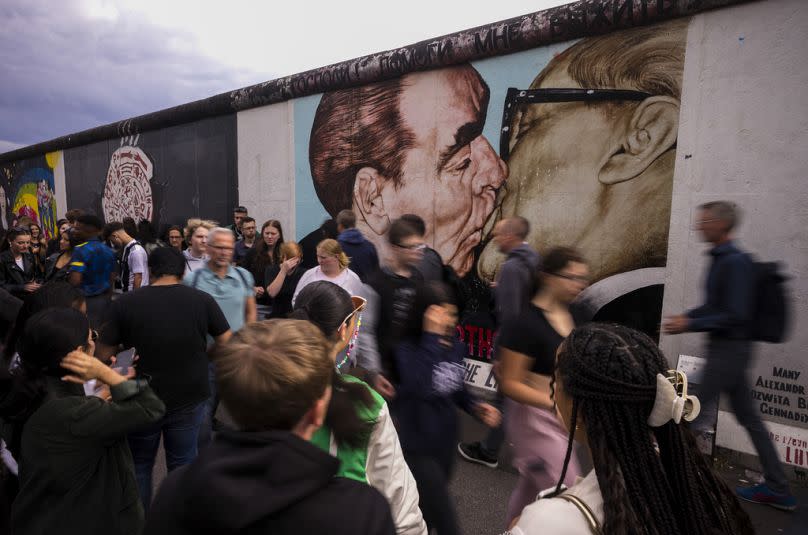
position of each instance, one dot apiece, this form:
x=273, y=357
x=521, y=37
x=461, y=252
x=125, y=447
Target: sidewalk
x=481, y=494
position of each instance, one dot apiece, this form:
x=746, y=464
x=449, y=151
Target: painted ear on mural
x=369, y=201
x=651, y=132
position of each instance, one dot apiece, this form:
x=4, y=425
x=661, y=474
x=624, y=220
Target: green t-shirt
x=353, y=461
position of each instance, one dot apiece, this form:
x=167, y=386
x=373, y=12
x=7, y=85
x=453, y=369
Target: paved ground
x=481, y=494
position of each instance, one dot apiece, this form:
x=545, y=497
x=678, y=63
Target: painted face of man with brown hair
x=599, y=175
x=449, y=173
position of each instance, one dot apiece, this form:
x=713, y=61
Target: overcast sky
x=69, y=65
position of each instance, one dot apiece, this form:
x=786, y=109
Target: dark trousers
x=179, y=429
x=492, y=442
x=432, y=474
x=726, y=373
x=209, y=410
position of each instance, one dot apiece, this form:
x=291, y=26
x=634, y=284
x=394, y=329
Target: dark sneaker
x=473, y=453
x=763, y=494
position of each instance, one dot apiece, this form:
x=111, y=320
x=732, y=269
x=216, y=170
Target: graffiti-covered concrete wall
x=164, y=176
x=604, y=123
x=742, y=137
x=579, y=138
x=27, y=189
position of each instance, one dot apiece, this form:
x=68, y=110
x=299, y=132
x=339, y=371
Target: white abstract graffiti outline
x=127, y=192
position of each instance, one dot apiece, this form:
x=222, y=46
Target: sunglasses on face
x=516, y=96
x=359, y=304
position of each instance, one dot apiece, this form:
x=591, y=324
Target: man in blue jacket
x=364, y=259
x=726, y=316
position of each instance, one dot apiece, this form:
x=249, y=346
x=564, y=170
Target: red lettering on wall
x=486, y=343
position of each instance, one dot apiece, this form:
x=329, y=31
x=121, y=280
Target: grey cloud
x=62, y=73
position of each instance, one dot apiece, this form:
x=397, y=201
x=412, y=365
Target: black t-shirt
x=532, y=335
x=168, y=327
x=282, y=303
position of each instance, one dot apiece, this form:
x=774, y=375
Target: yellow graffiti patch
x=53, y=158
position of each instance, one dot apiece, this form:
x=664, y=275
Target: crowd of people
x=340, y=377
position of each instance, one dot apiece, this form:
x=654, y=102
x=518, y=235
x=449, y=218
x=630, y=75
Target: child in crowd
x=431, y=372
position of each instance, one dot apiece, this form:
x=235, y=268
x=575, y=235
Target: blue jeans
x=179, y=429
x=210, y=406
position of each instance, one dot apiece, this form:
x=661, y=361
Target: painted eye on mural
x=463, y=165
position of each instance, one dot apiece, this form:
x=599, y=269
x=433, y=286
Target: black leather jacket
x=12, y=278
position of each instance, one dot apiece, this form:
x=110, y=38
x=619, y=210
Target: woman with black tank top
x=527, y=348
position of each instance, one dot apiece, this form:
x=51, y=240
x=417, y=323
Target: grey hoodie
x=515, y=282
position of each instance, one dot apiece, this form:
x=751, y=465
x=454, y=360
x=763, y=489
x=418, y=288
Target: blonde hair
x=333, y=248
x=290, y=249
x=194, y=223
x=272, y=372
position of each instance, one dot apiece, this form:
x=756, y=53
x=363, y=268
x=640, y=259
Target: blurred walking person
x=527, y=346
x=726, y=316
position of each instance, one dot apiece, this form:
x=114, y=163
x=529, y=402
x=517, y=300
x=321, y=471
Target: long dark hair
x=145, y=232
x=55, y=294
x=262, y=259
x=47, y=338
x=610, y=372
x=326, y=305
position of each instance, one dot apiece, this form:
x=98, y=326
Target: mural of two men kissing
x=587, y=153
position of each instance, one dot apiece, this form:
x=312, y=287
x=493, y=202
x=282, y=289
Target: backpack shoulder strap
x=195, y=278
x=242, y=277
x=590, y=517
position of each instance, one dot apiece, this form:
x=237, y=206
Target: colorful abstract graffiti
x=28, y=191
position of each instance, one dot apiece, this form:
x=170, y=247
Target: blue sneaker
x=763, y=494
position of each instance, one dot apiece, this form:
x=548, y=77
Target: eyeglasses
x=576, y=278
x=539, y=96
x=412, y=247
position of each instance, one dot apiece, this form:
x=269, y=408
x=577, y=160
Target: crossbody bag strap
x=590, y=517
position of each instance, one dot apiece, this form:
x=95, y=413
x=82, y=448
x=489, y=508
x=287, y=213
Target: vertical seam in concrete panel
x=60, y=184
x=290, y=167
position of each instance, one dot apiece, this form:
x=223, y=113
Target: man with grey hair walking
x=726, y=316
x=232, y=289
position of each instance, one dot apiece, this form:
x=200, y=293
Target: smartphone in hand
x=124, y=360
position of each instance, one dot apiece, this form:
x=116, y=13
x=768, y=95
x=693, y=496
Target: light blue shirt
x=230, y=293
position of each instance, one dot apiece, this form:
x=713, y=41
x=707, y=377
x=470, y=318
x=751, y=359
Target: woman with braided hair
x=526, y=348
x=616, y=397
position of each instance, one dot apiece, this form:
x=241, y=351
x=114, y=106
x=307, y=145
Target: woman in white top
x=333, y=267
x=616, y=396
x=196, y=236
